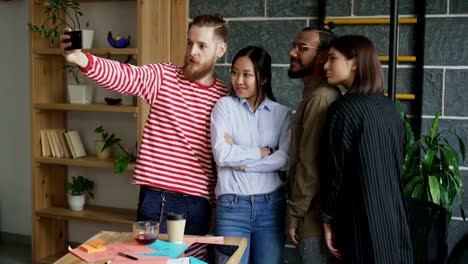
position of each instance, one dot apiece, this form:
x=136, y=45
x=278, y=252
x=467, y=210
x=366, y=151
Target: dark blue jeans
x=259, y=218
x=196, y=209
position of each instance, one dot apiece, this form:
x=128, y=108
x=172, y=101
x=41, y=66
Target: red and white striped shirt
x=175, y=151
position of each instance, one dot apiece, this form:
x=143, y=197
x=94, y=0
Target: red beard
x=194, y=71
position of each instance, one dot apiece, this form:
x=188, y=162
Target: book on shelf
x=72, y=151
x=53, y=144
x=45, y=145
x=60, y=143
x=76, y=143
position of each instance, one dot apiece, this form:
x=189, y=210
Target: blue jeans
x=259, y=218
x=196, y=209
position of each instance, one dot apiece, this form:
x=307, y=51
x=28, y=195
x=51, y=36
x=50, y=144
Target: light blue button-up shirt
x=268, y=126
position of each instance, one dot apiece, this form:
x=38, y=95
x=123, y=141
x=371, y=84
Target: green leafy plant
x=58, y=13
x=79, y=185
x=430, y=168
x=74, y=71
x=124, y=157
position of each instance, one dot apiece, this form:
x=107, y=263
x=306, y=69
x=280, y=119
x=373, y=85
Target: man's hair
x=368, y=78
x=325, y=37
x=261, y=61
x=215, y=21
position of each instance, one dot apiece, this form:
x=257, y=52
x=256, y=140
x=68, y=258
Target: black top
x=363, y=195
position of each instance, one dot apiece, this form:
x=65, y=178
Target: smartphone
x=75, y=39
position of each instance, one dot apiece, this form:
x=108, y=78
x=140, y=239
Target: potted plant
x=60, y=14
x=108, y=141
x=431, y=181
x=76, y=192
x=78, y=93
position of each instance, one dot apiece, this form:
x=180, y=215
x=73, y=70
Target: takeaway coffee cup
x=75, y=39
x=175, y=227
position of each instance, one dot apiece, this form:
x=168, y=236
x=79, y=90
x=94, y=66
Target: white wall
x=15, y=160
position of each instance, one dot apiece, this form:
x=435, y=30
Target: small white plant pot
x=87, y=38
x=80, y=94
x=127, y=100
x=102, y=154
x=76, y=202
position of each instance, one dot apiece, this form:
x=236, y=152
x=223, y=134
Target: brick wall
x=274, y=23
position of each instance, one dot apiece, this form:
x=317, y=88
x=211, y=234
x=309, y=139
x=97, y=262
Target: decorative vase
x=87, y=38
x=102, y=154
x=76, y=202
x=80, y=94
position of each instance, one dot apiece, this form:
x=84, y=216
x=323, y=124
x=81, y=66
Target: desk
x=119, y=237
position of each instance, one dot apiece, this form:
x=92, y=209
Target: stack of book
x=61, y=143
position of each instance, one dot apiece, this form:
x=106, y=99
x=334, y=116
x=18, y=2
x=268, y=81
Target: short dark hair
x=368, y=78
x=325, y=37
x=215, y=21
x=261, y=61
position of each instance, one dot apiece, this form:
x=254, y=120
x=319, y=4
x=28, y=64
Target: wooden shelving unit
x=87, y=107
x=161, y=36
x=88, y=161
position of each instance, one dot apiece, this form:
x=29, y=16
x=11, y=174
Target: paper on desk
x=163, y=248
x=196, y=261
x=111, y=252
x=204, y=240
x=179, y=261
x=187, y=260
x=141, y=260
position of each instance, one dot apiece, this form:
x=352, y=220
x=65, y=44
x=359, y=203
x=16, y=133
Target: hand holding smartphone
x=75, y=39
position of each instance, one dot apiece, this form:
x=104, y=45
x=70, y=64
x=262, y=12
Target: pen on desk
x=127, y=256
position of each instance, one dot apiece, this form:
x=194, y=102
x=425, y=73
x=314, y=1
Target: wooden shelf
x=95, y=1
x=88, y=107
x=88, y=161
x=97, y=51
x=156, y=42
x=91, y=213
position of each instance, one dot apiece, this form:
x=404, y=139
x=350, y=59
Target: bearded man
x=174, y=166
x=308, y=55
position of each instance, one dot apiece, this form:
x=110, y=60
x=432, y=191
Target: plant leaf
x=427, y=161
x=418, y=192
x=434, y=189
x=121, y=163
x=409, y=188
x=435, y=124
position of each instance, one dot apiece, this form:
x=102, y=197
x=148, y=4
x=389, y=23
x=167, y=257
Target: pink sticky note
x=141, y=260
x=204, y=240
x=111, y=251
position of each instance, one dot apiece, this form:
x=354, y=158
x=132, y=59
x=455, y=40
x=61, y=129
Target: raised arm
x=143, y=81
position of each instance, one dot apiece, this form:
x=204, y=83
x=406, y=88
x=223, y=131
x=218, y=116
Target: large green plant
x=79, y=185
x=124, y=157
x=430, y=168
x=60, y=13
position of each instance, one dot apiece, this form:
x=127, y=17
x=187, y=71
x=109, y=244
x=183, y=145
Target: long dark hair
x=368, y=78
x=261, y=61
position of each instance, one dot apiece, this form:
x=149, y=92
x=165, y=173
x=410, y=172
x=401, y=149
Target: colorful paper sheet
x=219, y=240
x=111, y=251
x=163, y=248
x=196, y=261
x=141, y=260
